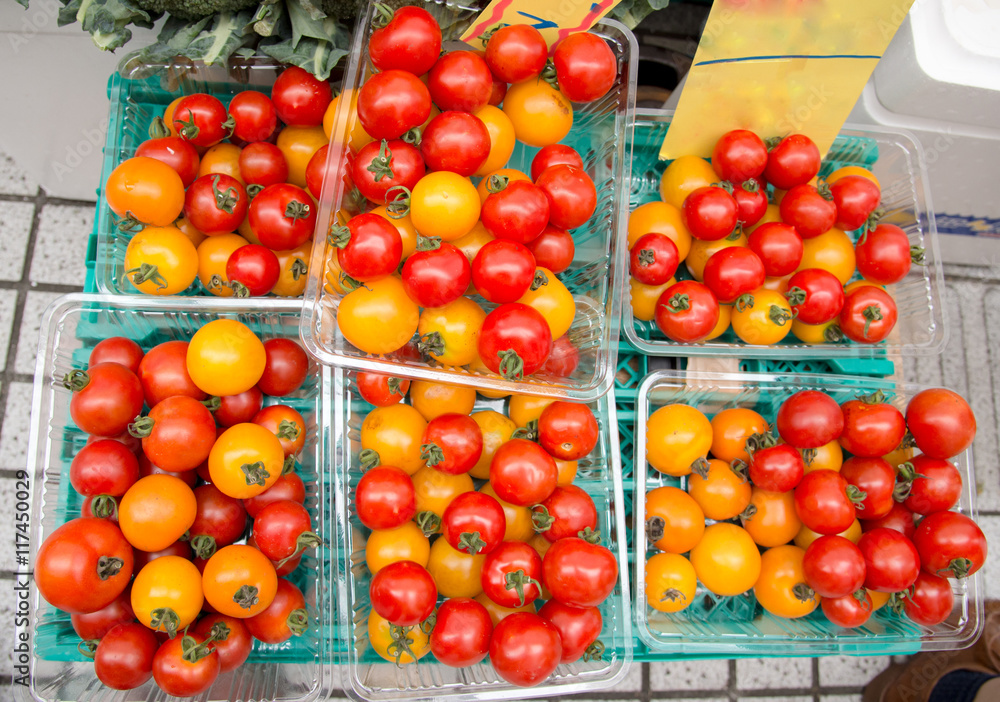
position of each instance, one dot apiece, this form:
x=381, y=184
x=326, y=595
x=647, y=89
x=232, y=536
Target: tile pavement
x=44, y=244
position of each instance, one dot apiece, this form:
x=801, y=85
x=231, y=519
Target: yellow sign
x=778, y=67
x=553, y=18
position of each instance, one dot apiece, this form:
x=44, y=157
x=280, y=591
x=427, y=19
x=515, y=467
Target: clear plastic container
x=369, y=677
x=600, y=133
x=897, y=160
x=737, y=625
x=298, y=669
x=139, y=92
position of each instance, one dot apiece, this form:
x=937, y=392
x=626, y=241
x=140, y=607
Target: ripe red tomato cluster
x=419, y=235
x=766, y=268
x=160, y=573
x=227, y=193
x=858, y=542
x=527, y=534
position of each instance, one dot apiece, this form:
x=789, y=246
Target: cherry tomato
x=474, y=523
x=522, y=473
x=178, y=433
x=553, y=249
x=175, y=152
x=156, y=511
x=252, y=271
x=410, y=40
x=586, y=67
x=553, y=155
x=899, y=518
x=568, y=511
x=653, y=259
x=793, y=161
x=733, y=272
x=770, y=519
x=124, y=657
x=393, y=433
x=726, y=560
x=779, y=247
x=231, y=639
x=516, y=52
x=687, y=311
x=884, y=255
x=815, y=295
x=751, y=202
x=159, y=261
x=200, y=119
x=833, y=566
x=283, y=530
x=503, y=271
x=677, y=438
x=94, y=625
x=541, y=115
x=674, y=520
x=404, y=543
x=396, y=644
x=571, y=194
x=444, y=205
x=872, y=427
x=850, y=611
x=579, y=573
x=869, y=315
x=776, y=467
x=822, y=502
x=515, y=340
x=564, y=359
x=437, y=274
x=512, y=574
x=739, y=155
x=105, y=467
x=369, y=247
x=403, y=593
x=876, y=480
x=167, y=594
x=730, y=430
x=936, y=484
x=455, y=141
x=525, y=649
x=392, y=102
x=216, y=203
x=809, y=419
x=891, y=560
x=941, y=421
x=808, y=210
x=379, y=317
x=222, y=159
x=254, y=116
x=461, y=635
x=781, y=588
x=670, y=582
x=568, y=430
x=246, y=460
x=722, y=491
x=460, y=80
x=452, y=443
x=185, y=665
x=856, y=197
x=515, y=211
x=932, y=599
x=262, y=164
x=147, y=190
x=384, y=498
x=300, y=99
x=239, y=581
x=117, y=349
x=456, y=573
x=381, y=390
x=382, y=166
x=710, y=213
x=950, y=545
x=106, y=397
x=578, y=629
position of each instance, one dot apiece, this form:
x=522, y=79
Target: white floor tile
x=27, y=343
x=13, y=180
x=689, y=675
x=847, y=671
x=8, y=303
x=773, y=673
x=61, y=244
x=15, y=223
x=16, y=423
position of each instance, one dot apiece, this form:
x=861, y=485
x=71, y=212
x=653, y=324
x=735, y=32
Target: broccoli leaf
x=305, y=25
x=106, y=20
x=267, y=17
x=632, y=12
x=211, y=39
x=318, y=56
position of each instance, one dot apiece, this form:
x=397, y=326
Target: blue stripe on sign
x=787, y=56
x=967, y=226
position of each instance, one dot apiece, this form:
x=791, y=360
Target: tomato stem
x=740, y=468
x=751, y=185
x=511, y=366
x=872, y=313
x=297, y=621
x=129, y=224
x=288, y=466
x=412, y=136
x=203, y=546
x=220, y=631
x=655, y=527
x=141, y=427
x=428, y=522
x=678, y=303
x=369, y=458
x=749, y=513
x=960, y=568
x=428, y=243
x=736, y=233
x=298, y=268
x=917, y=255
x=225, y=200
x=296, y=210
x=288, y=430
x=743, y=302
x=529, y=432
x=541, y=519
x=213, y=403
x=539, y=280
x=88, y=647
x=471, y=543
x=253, y=190
x=188, y=130
x=431, y=454
x=216, y=282
x=395, y=386
x=383, y=14
x=856, y=495
x=255, y=473
x=76, y=380
x=724, y=185
x=146, y=272
x=699, y=465
x=517, y=580
x=647, y=257
x=594, y=652
x=192, y=651
x=549, y=74
x=808, y=456
x=338, y=236
x=896, y=601
x=833, y=334
x=164, y=619
x=381, y=166
x=400, y=643
x=779, y=315
x=247, y=596
x=672, y=595
x=803, y=593
x=795, y=296
x=861, y=595
x=496, y=183
x=104, y=506
x=591, y=536
x=398, y=206
x=427, y=625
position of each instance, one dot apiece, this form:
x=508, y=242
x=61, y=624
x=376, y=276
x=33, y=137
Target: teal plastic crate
x=897, y=161
x=293, y=670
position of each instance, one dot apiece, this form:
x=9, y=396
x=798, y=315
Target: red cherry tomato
x=554, y=249
x=568, y=430
x=216, y=203
x=474, y=523
x=106, y=398
x=516, y=52
x=571, y=193
x=578, y=629
x=518, y=212
x=950, y=545
x=876, y=479
x=777, y=468
x=884, y=255
x=220, y=520
x=392, y=103
x=254, y=116
x=822, y=502
x=899, y=518
x=586, y=67
x=233, y=646
x=300, y=98
x=579, y=573
x=891, y=561
x=868, y=315
x=124, y=657
x=856, y=197
x=282, y=216
x=178, y=434
x=252, y=270
x=936, y=484
x=262, y=163
x=283, y=530
x=525, y=649
x=383, y=165
x=285, y=367
x=794, y=161
x=119, y=350
x=409, y=41
x=815, y=295
x=403, y=593
x=872, y=428
x=460, y=80
x=515, y=340
x=174, y=151
x=739, y=155
x=779, y=247
x=96, y=624
x=200, y=119
x=452, y=443
x=751, y=201
x=369, y=247
x=687, y=311
x=186, y=665
x=288, y=486
x=104, y=467
x=455, y=141
x=732, y=272
x=461, y=635
x=710, y=213
x=806, y=209
x=809, y=419
x=503, y=271
x=568, y=511
x=564, y=359
x=522, y=473
x=653, y=259
x=554, y=155
x=238, y=409
x=833, y=566
x=931, y=600
x=941, y=421
x=316, y=171
x=849, y=611
x=512, y=573
x=381, y=390
x=385, y=498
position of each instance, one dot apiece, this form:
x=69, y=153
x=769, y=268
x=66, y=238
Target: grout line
x=39, y=287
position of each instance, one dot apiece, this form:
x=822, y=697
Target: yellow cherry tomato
x=395, y=433
x=541, y=545
x=676, y=437
x=523, y=409
x=161, y=261
x=404, y=543
x=358, y=136
x=498, y=613
x=670, y=582
x=245, y=460
x=213, y=253
x=721, y=492
x=806, y=535
x=674, y=520
x=294, y=271
x=456, y=574
x=445, y=205
x=726, y=560
x=879, y=599
x=765, y=318
x=188, y=230
x=832, y=251
x=644, y=298
x=519, y=524
x=771, y=519
x=511, y=174
x=450, y=334
x=730, y=430
x=400, y=645
x=502, y=140
x=168, y=115
x=222, y=158
x=827, y=457
x=722, y=326
x=827, y=332
x=781, y=588
x=225, y=358
x=894, y=458
x=683, y=176
x=552, y=299
x=496, y=430
x=540, y=114
x=567, y=472
x=404, y=225
x=246, y=231
x=378, y=317
x=148, y=190
x=702, y=250
x=852, y=170
x=491, y=394
x=660, y=218
x=434, y=492
x=476, y=239
x=852, y=286
x=156, y=511
x=167, y=594
x=771, y=214
x=239, y=581
x=434, y=399
x=779, y=285
x=299, y=144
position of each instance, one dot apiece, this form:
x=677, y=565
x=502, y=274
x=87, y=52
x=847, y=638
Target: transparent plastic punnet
x=738, y=625
x=600, y=133
x=293, y=671
x=369, y=677
x=897, y=160
x=139, y=92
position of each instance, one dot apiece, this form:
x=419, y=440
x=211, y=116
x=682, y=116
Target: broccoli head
x=195, y=9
